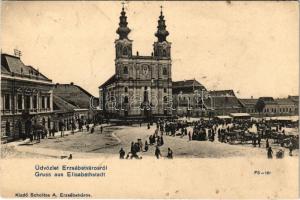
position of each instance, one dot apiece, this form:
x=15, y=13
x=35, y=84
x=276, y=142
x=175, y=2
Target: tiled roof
x=13, y=64
x=294, y=98
x=109, y=81
x=248, y=101
x=284, y=101
x=61, y=105
x=222, y=93
x=58, y=86
x=223, y=99
x=268, y=100
x=186, y=86
x=73, y=94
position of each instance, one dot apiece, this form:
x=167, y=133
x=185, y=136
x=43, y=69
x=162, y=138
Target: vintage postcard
x=149, y=99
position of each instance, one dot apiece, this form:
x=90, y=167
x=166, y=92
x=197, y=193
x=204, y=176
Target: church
x=141, y=85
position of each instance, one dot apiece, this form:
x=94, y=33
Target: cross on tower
x=161, y=7
x=123, y=5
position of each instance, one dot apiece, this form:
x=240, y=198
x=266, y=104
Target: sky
x=250, y=47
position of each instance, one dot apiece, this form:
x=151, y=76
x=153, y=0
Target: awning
x=240, y=115
x=223, y=117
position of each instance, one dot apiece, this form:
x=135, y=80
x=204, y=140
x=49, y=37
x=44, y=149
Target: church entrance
x=145, y=106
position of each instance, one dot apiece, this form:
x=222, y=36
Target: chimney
x=137, y=53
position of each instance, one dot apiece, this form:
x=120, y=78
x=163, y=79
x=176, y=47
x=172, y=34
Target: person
x=39, y=135
x=157, y=152
x=73, y=127
x=213, y=135
x=93, y=129
x=170, y=154
x=150, y=139
x=122, y=153
x=280, y=153
x=161, y=140
x=80, y=125
x=61, y=128
x=190, y=136
x=290, y=148
x=254, y=140
x=267, y=143
x=146, y=146
x=132, y=148
x=258, y=140
x=101, y=129
x=158, y=141
x=270, y=153
x=87, y=127
x=148, y=126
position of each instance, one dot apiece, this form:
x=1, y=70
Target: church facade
x=141, y=85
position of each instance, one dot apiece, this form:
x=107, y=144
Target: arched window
x=165, y=99
x=125, y=51
x=164, y=53
x=126, y=99
x=43, y=121
x=7, y=128
x=125, y=71
x=126, y=89
x=165, y=72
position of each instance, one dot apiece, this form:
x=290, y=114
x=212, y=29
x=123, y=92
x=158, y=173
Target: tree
x=260, y=105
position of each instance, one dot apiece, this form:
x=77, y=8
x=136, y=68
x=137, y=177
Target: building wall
x=135, y=78
x=17, y=97
x=73, y=94
x=274, y=109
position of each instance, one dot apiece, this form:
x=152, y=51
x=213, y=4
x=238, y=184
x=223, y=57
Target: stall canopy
x=284, y=118
x=223, y=117
x=240, y=115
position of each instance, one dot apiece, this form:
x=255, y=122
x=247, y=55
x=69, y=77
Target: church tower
x=142, y=84
x=162, y=48
x=123, y=45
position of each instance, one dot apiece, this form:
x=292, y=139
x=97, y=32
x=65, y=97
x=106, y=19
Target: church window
x=165, y=90
x=125, y=70
x=164, y=53
x=165, y=99
x=126, y=89
x=34, y=101
x=20, y=102
x=165, y=72
x=125, y=51
x=126, y=99
x=7, y=128
x=27, y=101
x=145, y=95
x=7, y=101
